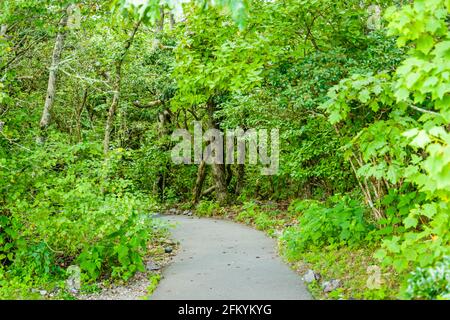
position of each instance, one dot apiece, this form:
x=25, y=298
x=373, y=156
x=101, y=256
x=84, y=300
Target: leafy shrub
x=411, y=109
x=342, y=223
x=207, y=208
x=120, y=253
x=265, y=220
x=8, y=239
x=396, y=204
x=64, y=207
x=425, y=240
x=298, y=206
x=248, y=213
x=431, y=282
x=36, y=259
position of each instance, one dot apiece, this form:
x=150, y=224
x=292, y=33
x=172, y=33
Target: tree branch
x=151, y=104
x=208, y=191
x=425, y=111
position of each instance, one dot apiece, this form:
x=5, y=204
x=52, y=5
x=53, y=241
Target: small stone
x=168, y=249
x=73, y=282
x=43, y=292
x=332, y=285
x=151, y=266
x=277, y=233
x=310, y=276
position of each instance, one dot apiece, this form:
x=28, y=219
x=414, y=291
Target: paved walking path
x=220, y=259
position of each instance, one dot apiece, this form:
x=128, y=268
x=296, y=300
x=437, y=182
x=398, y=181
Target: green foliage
x=415, y=144
x=422, y=244
x=206, y=208
x=338, y=224
x=430, y=283
x=248, y=212
x=397, y=204
x=350, y=265
x=121, y=252
x=212, y=61
x=154, y=280
x=266, y=222
x=148, y=11
x=262, y=217
x=9, y=239
x=362, y=104
x=62, y=210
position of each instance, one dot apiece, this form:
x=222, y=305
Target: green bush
x=263, y=218
x=67, y=205
x=431, y=282
x=264, y=222
x=248, y=213
x=207, y=208
x=120, y=252
x=396, y=204
x=341, y=223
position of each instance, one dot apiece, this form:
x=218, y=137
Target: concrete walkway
x=224, y=260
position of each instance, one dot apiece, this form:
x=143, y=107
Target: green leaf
x=410, y=133
x=400, y=264
x=402, y=94
x=392, y=245
x=421, y=140
x=410, y=254
x=374, y=106
x=380, y=254
x=432, y=24
x=425, y=43
x=429, y=210
x=411, y=79
x=410, y=222
x=364, y=96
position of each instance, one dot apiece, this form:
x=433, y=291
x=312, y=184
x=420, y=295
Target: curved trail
x=224, y=260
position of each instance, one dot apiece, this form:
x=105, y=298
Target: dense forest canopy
x=91, y=92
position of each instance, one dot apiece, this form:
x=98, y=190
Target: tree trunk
x=165, y=129
x=79, y=112
x=51, y=87
x=229, y=173
x=218, y=169
x=240, y=179
x=201, y=174
x=111, y=113
x=257, y=188
x=116, y=88
x=3, y=30
x=172, y=21
x=161, y=19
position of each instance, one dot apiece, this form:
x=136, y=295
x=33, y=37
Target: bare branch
x=424, y=110
x=151, y=104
